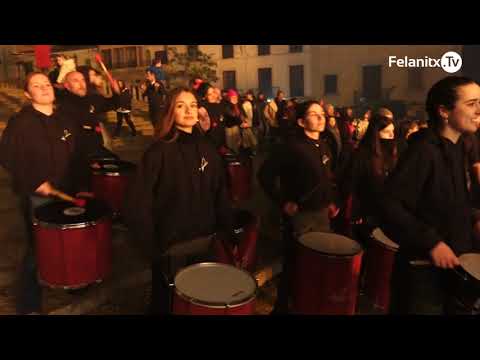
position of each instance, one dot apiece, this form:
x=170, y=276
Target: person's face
x=95, y=79
x=330, y=110
x=350, y=112
x=75, y=83
x=281, y=95
x=211, y=95
x=367, y=115
x=204, y=119
x=466, y=112
x=234, y=99
x=149, y=76
x=186, y=111
x=387, y=133
x=60, y=60
x=261, y=97
x=249, y=97
x=332, y=122
x=412, y=130
x=40, y=90
x=314, y=119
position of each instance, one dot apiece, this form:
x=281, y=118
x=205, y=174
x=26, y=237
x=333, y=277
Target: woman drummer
x=178, y=200
x=426, y=207
x=39, y=148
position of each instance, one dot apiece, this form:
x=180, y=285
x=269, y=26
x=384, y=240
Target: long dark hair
x=165, y=129
x=372, y=143
x=444, y=92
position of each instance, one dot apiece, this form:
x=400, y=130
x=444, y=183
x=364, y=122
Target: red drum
x=246, y=231
x=326, y=274
x=110, y=182
x=239, y=177
x=379, y=261
x=73, y=244
x=214, y=289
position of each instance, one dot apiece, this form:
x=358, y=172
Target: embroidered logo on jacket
x=203, y=164
x=66, y=134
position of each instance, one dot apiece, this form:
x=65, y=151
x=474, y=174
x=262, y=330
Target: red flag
x=42, y=56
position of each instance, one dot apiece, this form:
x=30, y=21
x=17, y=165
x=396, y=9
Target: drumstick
x=63, y=196
x=98, y=59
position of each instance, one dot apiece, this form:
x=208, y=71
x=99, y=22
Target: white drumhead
x=332, y=244
x=471, y=264
x=215, y=284
x=381, y=237
x=74, y=211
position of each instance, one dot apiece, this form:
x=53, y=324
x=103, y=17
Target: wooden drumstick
x=98, y=59
x=63, y=196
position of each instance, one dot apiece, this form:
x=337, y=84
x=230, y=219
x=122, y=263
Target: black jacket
x=216, y=133
x=36, y=148
x=230, y=118
x=171, y=200
x=125, y=99
x=426, y=199
x=156, y=98
x=302, y=165
x=85, y=112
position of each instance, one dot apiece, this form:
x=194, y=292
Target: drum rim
x=330, y=255
x=215, y=305
x=106, y=173
x=81, y=225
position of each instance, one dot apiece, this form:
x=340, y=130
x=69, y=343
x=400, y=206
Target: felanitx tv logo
x=451, y=62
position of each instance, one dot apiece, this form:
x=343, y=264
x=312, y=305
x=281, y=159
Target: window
x=263, y=50
x=118, y=58
x=148, y=57
x=229, y=80
x=296, y=80
x=295, y=48
x=162, y=55
x=330, y=84
x=131, y=56
x=265, y=81
x=107, y=58
x=372, y=82
x=227, y=51
x=415, y=78
x=192, y=51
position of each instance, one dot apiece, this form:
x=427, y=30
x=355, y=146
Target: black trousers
x=164, y=269
x=124, y=116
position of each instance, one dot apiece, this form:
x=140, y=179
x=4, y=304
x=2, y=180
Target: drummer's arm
x=400, y=197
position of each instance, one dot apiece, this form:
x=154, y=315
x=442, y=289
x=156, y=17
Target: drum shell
x=246, y=229
x=110, y=189
x=239, y=180
x=76, y=256
x=379, y=262
x=324, y=284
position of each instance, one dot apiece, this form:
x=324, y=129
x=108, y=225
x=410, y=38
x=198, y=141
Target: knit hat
x=231, y=93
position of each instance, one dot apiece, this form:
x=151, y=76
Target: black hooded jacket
x=426, y=198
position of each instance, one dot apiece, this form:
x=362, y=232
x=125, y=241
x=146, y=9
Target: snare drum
x=110, y=182
x=214, y=289
x=73, y=244
x=239, y=177
x=379, y=261
x=326, y=274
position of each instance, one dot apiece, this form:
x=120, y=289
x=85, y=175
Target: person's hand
x=157, y=85
x=443, y=256
x=115, y=87
x=85, y=194
x=46, y=189
x=244, y=125
x=290, y=208
x=143, y=87
x=333, y=211
x=95, y=165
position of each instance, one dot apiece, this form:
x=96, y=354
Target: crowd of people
x=326, y=170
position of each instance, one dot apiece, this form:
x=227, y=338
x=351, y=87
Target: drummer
x=40, y=150
x=427, y=209
x=307, y=202
x=178, y=200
